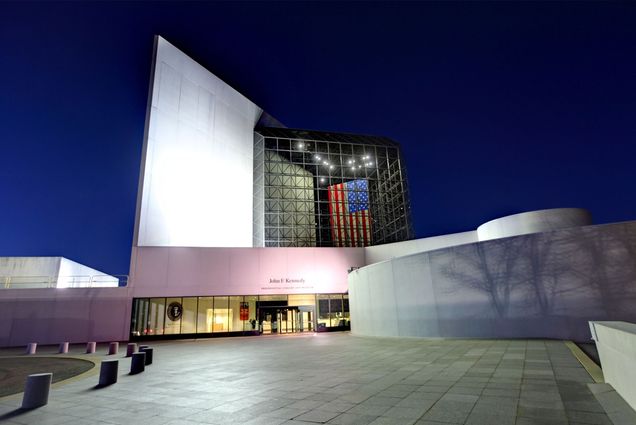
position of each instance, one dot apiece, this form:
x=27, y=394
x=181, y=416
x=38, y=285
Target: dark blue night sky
x=499, y=107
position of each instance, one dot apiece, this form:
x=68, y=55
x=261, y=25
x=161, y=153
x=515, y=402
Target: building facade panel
x=196, y=178
x=242, y=271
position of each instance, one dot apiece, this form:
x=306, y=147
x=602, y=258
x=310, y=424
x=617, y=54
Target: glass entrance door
x=286, y=320
x=281, y=320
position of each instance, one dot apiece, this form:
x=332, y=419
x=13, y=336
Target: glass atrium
x=328, y=190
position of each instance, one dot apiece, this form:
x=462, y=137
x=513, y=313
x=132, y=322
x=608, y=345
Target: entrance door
x=287, y=319
x=283, y=320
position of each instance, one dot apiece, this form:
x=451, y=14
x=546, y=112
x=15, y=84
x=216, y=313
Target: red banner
x=245, y=311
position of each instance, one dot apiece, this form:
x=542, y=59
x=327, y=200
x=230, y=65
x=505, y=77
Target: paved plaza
x=338, y=378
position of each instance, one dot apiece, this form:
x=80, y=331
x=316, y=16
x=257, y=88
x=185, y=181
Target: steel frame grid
x=289, y=162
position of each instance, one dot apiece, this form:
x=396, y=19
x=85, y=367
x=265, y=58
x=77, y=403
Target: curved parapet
x=540, y=285
x=534, y=222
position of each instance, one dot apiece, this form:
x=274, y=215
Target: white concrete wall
x=29, y=266
x=196, y=175
x=375, y=254
x=394, y=299
x=534, y=222
x=60, y=272
x=51, y=316
x=616, y=343
x=542, y=285
x=72, y=274
x=168, y=271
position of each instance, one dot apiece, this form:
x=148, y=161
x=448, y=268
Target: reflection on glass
x=174, y=311
x=302, y=299
x=205, y=315
x=323, y=311
x=251, y=324
x=139, y=324
x=272, y=298
x=335, y=310
x=156, y=316
x=236, y=321
x=189, y=317
x=222, y=315
x=275, y=314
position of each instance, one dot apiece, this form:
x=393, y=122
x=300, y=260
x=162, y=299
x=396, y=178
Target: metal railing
x=95, y=281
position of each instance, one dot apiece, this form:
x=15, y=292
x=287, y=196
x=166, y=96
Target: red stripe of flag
x=344, y=213
x=337, y=193
x=364, y=227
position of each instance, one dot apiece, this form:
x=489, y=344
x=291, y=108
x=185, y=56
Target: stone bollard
x=113, y=348
x=63, y=348
x=108, y=372
x=131, y=348
x=36, y=390
x=138, y=363
x=32, y=347
x=148, y=351
x=90, y=347
x=141, y=347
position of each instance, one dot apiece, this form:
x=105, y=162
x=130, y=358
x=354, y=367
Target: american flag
x=349, y=213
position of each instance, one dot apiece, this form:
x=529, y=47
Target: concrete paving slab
x=341, y=379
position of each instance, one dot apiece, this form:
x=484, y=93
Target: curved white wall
x=534, y=222
x=377, y=253
x=542, y=285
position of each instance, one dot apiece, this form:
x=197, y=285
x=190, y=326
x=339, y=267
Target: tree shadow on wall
x=491, y=269
x=579, y=272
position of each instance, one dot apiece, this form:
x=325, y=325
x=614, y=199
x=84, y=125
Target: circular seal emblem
x=175, y=309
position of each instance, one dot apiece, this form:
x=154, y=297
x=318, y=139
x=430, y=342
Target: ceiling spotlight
x=322, y=180
x=317, y=157
x=331, y=167
x=359, y=166
x=349, y=162
x=325, y=163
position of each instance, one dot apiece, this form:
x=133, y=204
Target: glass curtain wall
x=332, y=189
x=333, y=311
x=238, y=314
